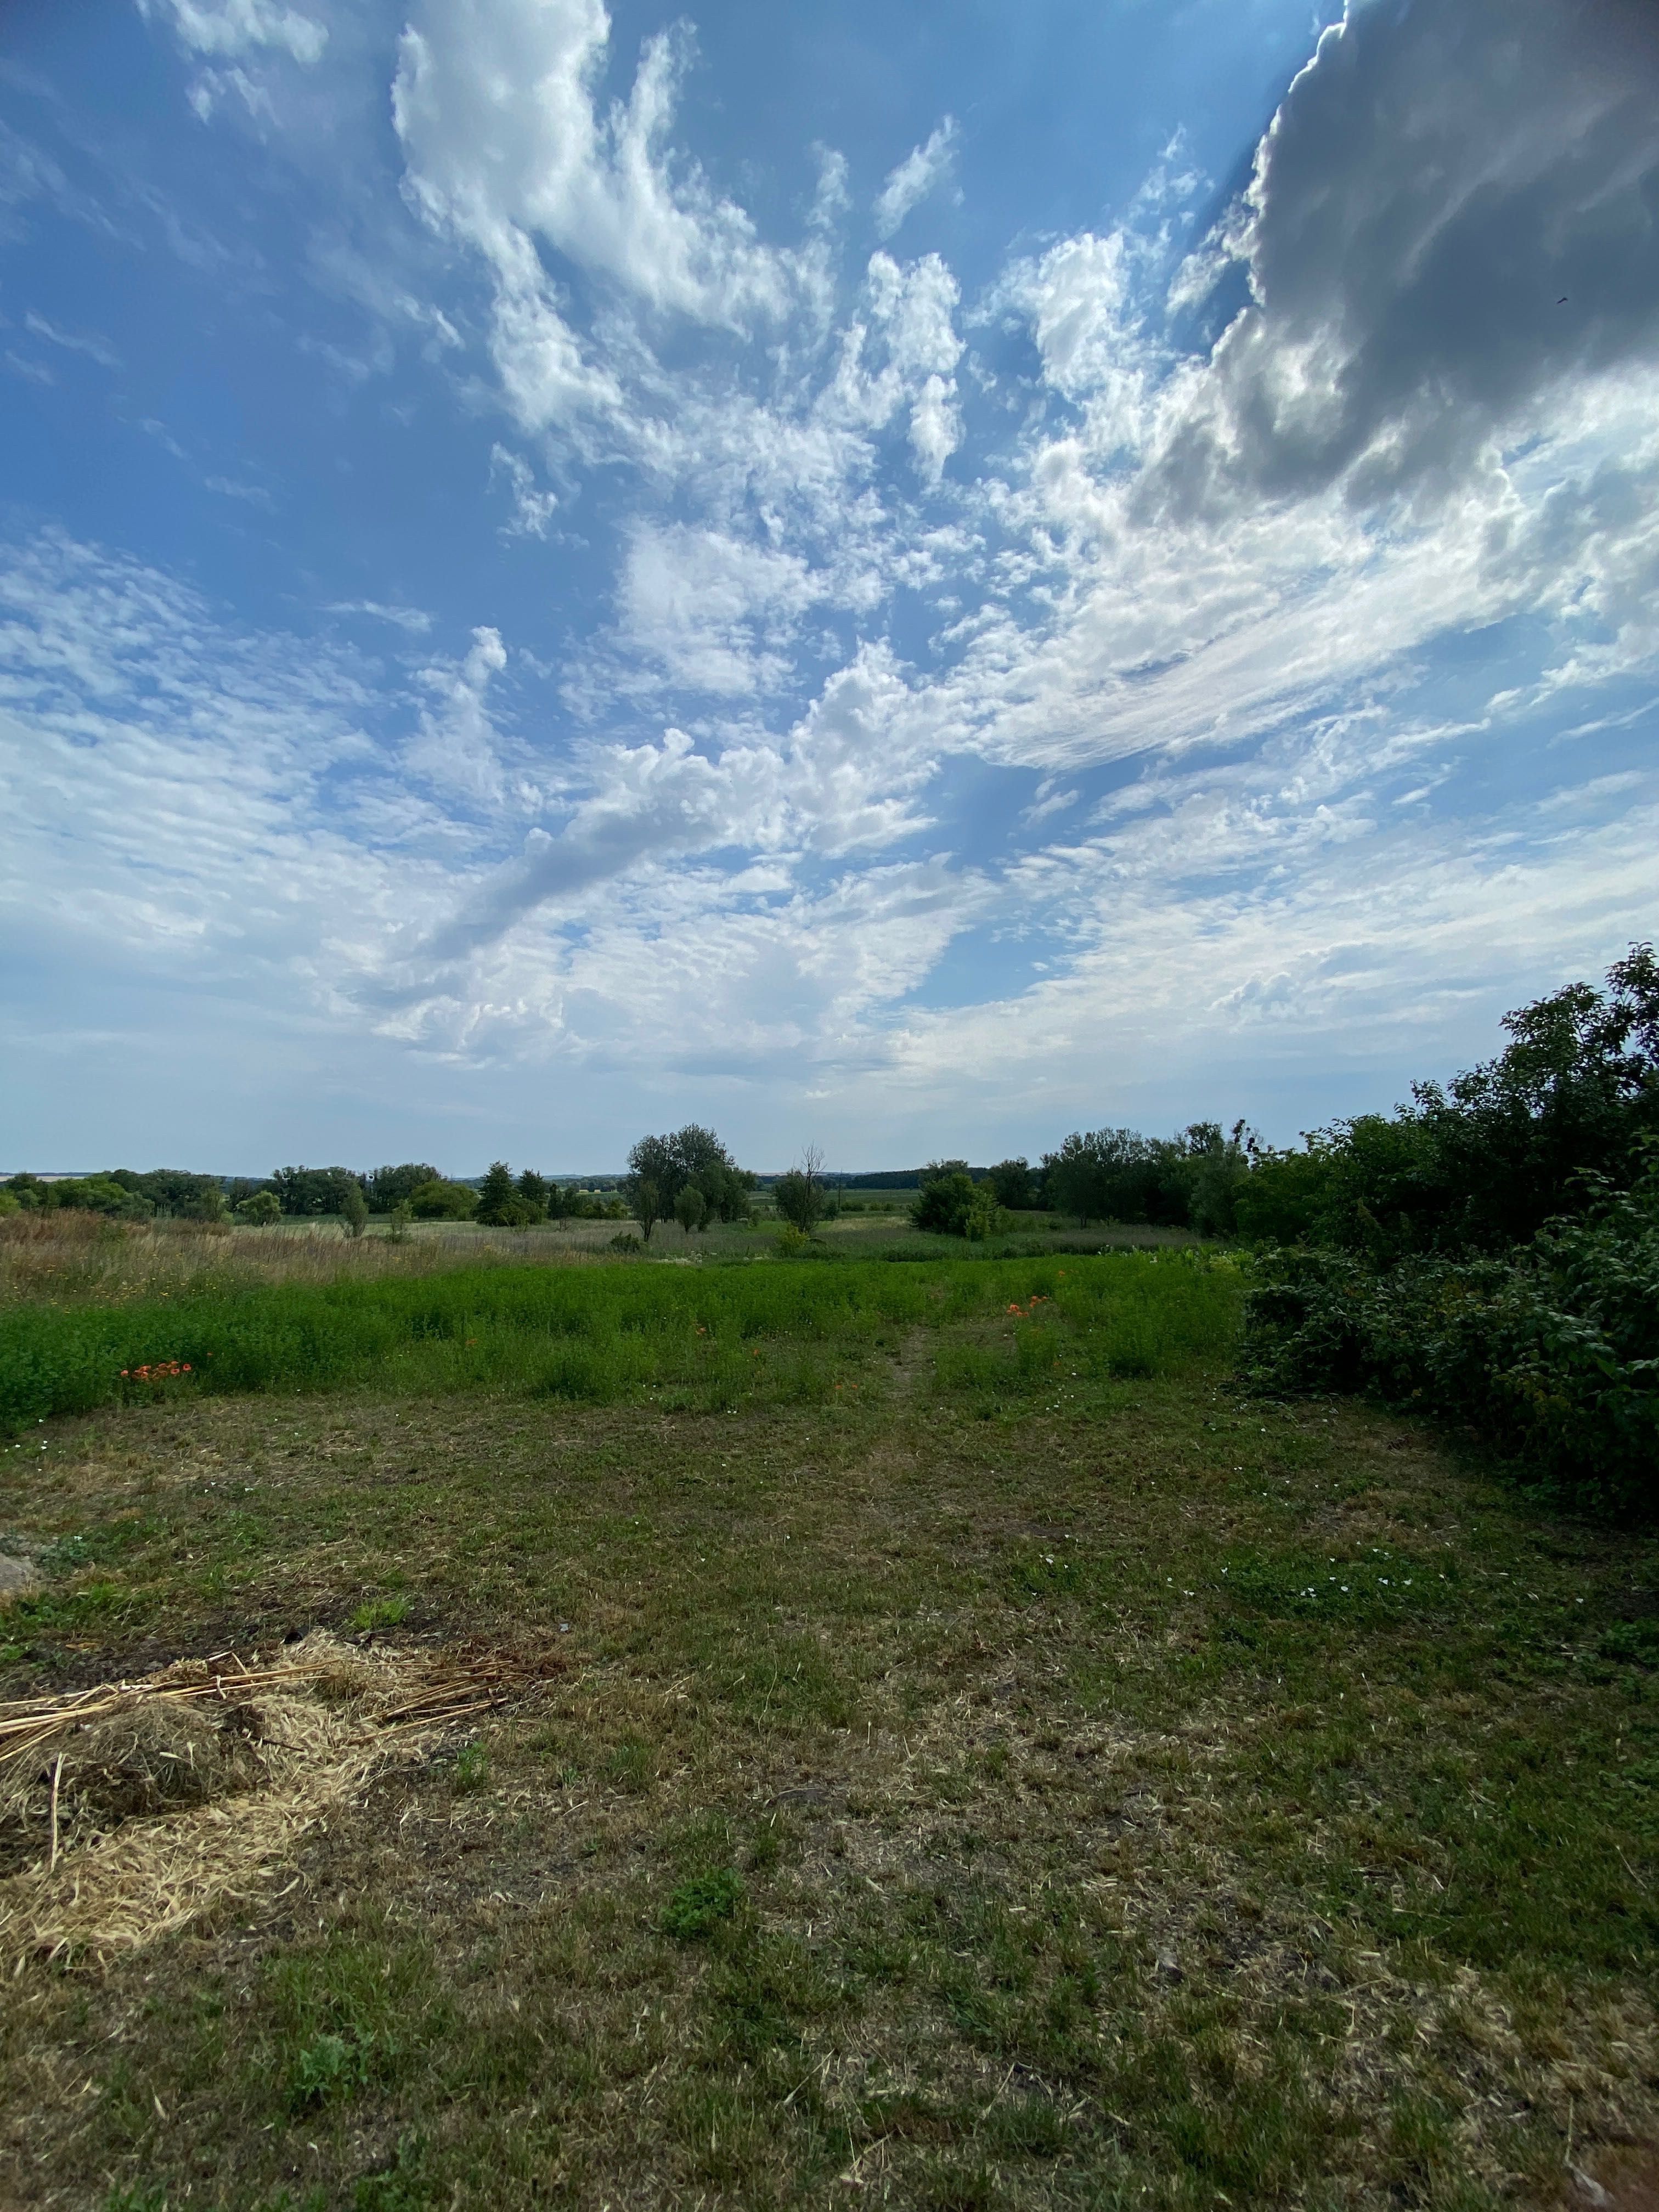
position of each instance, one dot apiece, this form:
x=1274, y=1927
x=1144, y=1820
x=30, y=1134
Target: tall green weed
x=700, y=1337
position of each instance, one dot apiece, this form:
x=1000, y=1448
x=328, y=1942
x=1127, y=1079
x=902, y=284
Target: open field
x=79, y=1259
x=961, y=1758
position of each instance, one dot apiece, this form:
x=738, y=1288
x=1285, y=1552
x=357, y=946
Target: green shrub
x=1552, y=1353
x=950, y=1203
x=443, y=1202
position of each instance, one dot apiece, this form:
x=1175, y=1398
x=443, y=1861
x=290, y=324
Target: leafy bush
x=951, y=1204
x=1551, y=1353
x=443, y=1202
x=800, y=1195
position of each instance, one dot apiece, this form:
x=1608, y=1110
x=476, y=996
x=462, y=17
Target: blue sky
x=898, y=577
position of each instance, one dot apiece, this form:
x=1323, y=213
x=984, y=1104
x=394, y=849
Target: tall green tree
x=498, y=1200
x=644, y=1203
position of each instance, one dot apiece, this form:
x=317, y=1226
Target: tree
x=442, y=1201
x=498, y=1201
x=645, y=1203
x=726, y=1188
x=310, y=1191
x=690, y=1209
x=354, y=1211
x=693, y=1155
x=1011, y=1181
x=536, y=1192
x=654, y=1161
x=97, y=1194
x=178, y=1192
x=798, y=1196
x=1220, y=1168
x=260, y=1209
x=1103, y=1174
x=387, y=1188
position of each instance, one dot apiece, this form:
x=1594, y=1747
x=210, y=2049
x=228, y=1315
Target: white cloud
x=241, y=27
x=533, y=510
x=95, y=348
x=921, y=171
x=496, y=103
x=457, y=749
x=1450, y=220
x=414, y=620
x=864, y=662
x=715, y=613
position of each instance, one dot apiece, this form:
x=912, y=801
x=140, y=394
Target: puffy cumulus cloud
x=900, y=352
x=231, y=27
x=858, y=757
x=921, y=171
x=1452, y=216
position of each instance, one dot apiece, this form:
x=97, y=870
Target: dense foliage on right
x=1491, y=1252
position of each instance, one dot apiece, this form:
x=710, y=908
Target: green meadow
x=961, y=1751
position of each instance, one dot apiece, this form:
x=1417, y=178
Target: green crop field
x=950, y=1748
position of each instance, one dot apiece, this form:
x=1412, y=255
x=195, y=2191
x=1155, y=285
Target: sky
x=900, y=577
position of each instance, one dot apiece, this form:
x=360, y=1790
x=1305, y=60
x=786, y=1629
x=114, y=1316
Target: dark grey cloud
x=1456, y=209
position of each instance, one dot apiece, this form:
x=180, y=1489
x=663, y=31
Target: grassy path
x=1117, y=1795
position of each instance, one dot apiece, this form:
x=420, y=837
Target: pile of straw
x=136, y=1805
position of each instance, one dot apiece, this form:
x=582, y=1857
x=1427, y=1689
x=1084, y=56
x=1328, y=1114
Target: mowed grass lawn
x=981, y=1760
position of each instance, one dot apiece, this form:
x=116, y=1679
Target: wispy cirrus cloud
x=923, y=169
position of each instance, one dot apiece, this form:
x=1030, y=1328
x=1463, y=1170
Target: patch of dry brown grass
x=129, y=1810
x=82, y=1257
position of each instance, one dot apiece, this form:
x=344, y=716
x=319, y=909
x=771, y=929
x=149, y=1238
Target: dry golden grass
x=134, y=1806
x=81, y=1257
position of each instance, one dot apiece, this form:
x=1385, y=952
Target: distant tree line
x=122, y=1194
